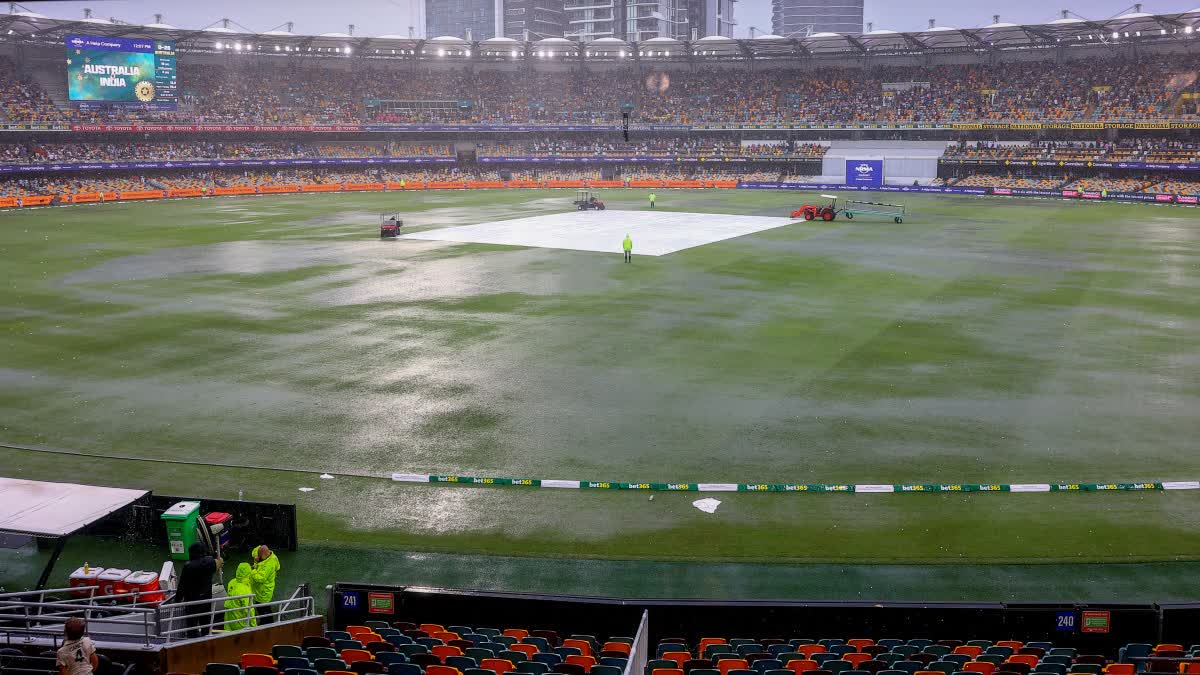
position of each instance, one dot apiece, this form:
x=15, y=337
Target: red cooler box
x=225, y=521
x=90, y=577
x=142, y=582
x=109, y=579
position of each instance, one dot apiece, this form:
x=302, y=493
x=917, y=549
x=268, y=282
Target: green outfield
x=982, y=340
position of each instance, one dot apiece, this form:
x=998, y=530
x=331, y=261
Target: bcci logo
x=864, y=169
x=144, y=91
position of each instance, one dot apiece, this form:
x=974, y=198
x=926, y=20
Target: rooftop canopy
x=1067, y=31
x=47, y=509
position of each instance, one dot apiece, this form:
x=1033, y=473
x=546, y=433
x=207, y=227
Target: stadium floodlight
x=1116, y=35
x=348, y=50
x=441, y=52
x=237, y=46
x=1187, y=30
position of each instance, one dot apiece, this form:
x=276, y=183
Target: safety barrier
x=142, y=194
x=278, y=189
x=189, y=192
x=139, y=617
x=481, y=481
x=236, y=190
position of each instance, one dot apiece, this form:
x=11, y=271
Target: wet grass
x=982, y=340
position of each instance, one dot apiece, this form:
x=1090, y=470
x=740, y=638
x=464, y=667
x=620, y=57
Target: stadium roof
x=1134, y=27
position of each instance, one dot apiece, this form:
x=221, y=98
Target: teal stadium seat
x=890, y=643
x=541, y=643
x=322, y=665
x=463, y=663
x=404, y=669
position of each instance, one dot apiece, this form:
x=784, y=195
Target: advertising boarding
x=864, y=172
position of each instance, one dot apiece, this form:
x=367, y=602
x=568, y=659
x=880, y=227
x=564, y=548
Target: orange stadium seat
x=251, y=660
x=442, y=651
x=586, y=661
x=351, y=656
x=498, y=666
x=726, y=665
x=624, y=648
x=583, y=646
x=677, y=657
x=801, y=665
x=529, y=650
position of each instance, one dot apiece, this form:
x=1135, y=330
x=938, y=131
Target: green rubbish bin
x=181, y=520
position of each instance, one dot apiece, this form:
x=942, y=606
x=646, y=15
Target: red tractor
x=814, y=211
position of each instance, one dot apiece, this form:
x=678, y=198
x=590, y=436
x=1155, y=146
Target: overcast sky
x=377, y=17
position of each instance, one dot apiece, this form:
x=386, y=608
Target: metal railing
x=29, y=618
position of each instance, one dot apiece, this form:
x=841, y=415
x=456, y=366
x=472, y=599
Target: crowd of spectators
x=1175, y=187
x=109, y=151
x=1012, y=181
x=22, y=100
x=1109, y=184
x=1163, y=150
x=264, y=91
x=207, y=179
x=657, y=147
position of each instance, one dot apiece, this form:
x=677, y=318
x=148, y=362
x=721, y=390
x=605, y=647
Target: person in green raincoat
x=238, y=611
x=628, y=246
x=262, y=580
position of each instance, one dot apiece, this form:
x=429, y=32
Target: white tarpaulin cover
x=653, y=232
x=57, y=509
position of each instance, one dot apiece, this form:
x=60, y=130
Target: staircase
x=53, y=81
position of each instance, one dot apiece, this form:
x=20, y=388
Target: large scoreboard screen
x=121, y=71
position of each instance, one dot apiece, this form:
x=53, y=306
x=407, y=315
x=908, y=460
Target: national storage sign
x=864, y=172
